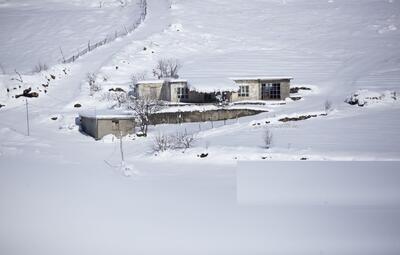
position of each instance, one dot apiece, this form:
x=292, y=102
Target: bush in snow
x=120, y=98
x=328, y=106
x=167, y=68
x=366, y=97
x=40, y=67
x=93, y=86
x=143, y=108
x=184, y=140
x=162, y=143
x=267, y=138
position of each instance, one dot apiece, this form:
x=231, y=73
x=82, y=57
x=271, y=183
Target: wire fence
x=110, y=38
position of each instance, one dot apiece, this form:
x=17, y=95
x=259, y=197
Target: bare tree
x=143, y=108
x=267, y=138
x=167, y=68
x=119, y=97
x=93, y=86
x=18, y=79
x=327, y=106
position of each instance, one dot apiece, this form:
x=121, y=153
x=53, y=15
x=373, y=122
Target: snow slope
x=34, y=31
x=337, y=45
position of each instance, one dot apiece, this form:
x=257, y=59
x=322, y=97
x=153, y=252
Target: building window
x=183, y=93
x=275, y=92
x=244, y=91
x=270, y=91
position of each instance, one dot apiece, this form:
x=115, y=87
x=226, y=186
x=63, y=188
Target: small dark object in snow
x=116, y=90
x=27, y=93
x=32, y=94
x=144, y=48
x=116, y=67
x=323, y=114
x=53, y=76
x=45, y=91
x=2, y=105
x=303, y=117
x=65, y=71
x=140, y=134
x=77, y=105
x=54, y=118
x=295, y=90
x=45, y=85
x=295, y=98
x=304, y=159
x=8, y=90
x=203, y=155
x=152, y=51
x=267, y=122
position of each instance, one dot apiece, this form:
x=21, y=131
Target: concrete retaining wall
x=197, y=116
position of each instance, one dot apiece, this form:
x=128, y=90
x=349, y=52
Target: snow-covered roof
x=269, y=78
x=104, y=114
x=160, y=81
x=150, y=82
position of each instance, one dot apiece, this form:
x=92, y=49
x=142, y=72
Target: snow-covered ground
x=63, y=192
x=36, y=32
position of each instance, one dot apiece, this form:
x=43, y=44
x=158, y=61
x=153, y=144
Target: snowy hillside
x=337, y=45
x=62, y=192
x=36, y=32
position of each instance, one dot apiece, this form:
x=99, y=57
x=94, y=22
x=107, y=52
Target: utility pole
x=27, y=115
x=120, y=146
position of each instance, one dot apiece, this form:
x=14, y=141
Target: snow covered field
x=62, y=192
x=34, y=31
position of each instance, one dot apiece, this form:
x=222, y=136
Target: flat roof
x=269, y=78
x=106, y=115
x=160, y=81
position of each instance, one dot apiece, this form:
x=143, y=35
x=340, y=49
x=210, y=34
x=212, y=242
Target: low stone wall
x=200, y=116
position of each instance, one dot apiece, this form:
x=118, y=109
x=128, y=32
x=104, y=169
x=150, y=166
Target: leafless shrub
x=94, y=87
x=120, y=98
x=184, y=140
x=19, y=77
x=105, y=78
x=328, y=106
x=140, y=76
x=40, y=67
x=143, y=108
x=394, y=95
x=267, y=138
x=167, y=68
x=3, y=70
x=162, y=143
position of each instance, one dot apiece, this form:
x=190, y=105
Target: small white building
x=99, y=124
x=261, y=88
x=171, y=90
